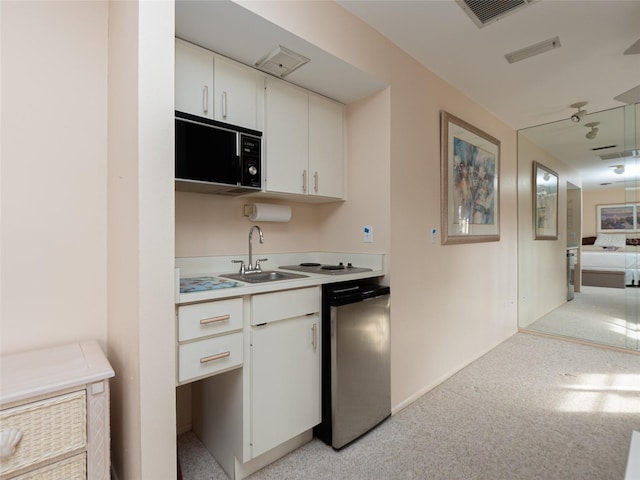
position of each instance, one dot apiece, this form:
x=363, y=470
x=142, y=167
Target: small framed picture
x=545, y=202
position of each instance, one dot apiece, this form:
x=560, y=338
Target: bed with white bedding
x=624, y=262
x=610, y=262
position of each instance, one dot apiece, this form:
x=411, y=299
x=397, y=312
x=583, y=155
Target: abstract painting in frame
x=545, y=202
x=469, y=189
x=617, y=218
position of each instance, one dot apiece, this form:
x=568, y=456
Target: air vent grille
x=483, y=12
x=603, y=148
x=616, y=155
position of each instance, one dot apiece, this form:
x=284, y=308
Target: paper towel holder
x=267, y=212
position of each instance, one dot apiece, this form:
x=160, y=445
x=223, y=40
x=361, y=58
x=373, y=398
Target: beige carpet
x=533, y=408
x=607, y=316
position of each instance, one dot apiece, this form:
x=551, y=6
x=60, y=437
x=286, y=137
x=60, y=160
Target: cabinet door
x=194, y=79
x=285, y=381
x=326, y=148
x=235, y=93
x=286, y=138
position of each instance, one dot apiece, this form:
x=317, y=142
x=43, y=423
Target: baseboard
x=409, y=400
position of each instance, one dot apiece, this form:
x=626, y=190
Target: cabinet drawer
x=211, y=318
x=74, y=468
x=269, y=307
x=207, y=357
x=50, y=428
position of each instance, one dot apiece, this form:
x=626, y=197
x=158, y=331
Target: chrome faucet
x=250, y=267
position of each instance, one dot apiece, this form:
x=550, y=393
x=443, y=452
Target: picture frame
x=469, y=183
x=545, y=202
x=617, y=218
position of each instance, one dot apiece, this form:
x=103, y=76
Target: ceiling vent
x=484, y=12
x=620, y=155
x=281, y=62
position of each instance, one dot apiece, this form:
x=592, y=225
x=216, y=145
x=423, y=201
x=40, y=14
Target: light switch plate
x=368, y=234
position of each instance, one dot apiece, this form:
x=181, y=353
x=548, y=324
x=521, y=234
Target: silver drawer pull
x=217, y=356
x=206, y=321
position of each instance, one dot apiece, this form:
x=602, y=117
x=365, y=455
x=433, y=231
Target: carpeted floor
x=607, y=316
x=532, y=408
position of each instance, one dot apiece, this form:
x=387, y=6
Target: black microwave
x=216, y=157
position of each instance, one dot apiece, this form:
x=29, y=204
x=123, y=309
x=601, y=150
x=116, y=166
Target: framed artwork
x=469, y=188
x=617, y=218
x=545, y=202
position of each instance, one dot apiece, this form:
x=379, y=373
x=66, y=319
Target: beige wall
x=450, y=304
x=141, y=326
x=54, y=160
x=542, y=263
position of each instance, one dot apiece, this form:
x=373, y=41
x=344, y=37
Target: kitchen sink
x=261, y=277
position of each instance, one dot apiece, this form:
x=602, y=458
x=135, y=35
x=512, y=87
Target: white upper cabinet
x=286, y=138
x=304, y=142
x=236, y=93
x=326, y=147
x=194, y=79
x=212, y=86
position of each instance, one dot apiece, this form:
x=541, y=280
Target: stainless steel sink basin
x=261, y=277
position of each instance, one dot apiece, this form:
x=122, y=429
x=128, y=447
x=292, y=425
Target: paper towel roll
x=268, y=212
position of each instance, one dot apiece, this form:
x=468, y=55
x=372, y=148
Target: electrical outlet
x=368, y=234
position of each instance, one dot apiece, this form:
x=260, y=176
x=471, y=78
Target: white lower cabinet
x=249, y=417
x=285, y=380
x=285, y=366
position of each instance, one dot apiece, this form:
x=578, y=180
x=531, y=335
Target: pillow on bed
x=588, y=240
x=610, y=240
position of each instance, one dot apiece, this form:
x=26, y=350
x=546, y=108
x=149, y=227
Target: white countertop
x=189, y=267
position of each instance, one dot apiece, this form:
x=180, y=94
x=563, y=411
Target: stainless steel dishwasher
x=356, y=385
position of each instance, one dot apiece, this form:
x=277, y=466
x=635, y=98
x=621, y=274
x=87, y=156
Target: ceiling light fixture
x=577, y=117
x=531, y=50
x=594, y=130
x=619, y=169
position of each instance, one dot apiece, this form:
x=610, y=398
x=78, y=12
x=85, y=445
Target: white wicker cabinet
x=54, y=414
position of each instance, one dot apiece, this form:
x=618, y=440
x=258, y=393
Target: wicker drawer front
x=207, y=357
x=208, y=319
x=74, y=468
x=50, y=428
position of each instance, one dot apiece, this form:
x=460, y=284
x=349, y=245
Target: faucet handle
x=258, y=263
x=241, y=262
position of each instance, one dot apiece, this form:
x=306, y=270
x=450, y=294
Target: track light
x=619, y=169
x=577, y=117
x=594, y=130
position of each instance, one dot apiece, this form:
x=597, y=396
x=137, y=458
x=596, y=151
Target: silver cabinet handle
x=217, y=356
x=224, y=104
x=205, y=98
x=315, y=182
x=304, y=181
x=206, y=321
x=315, y=336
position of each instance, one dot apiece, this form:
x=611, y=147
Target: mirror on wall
x=583, y=282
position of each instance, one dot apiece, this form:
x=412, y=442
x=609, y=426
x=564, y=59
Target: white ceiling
x=589, y=66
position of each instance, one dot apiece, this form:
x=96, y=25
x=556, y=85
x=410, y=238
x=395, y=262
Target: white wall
x=54, y=160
